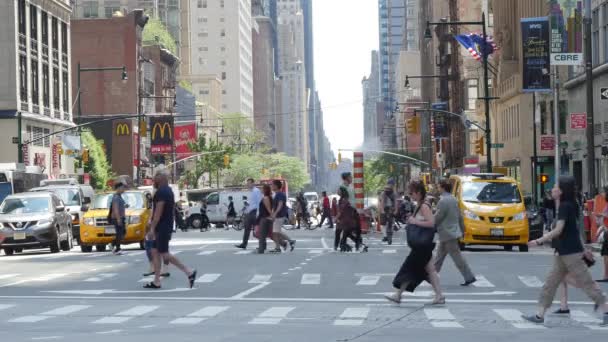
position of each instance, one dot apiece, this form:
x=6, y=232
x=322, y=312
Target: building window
x=203, y=92
x=21, y=14
x=223, y=49
x=223, y=75
x=54, y=34
x=46, y=100
x=110, y=10
x=223, y=33
x=222, y=19
x=224, y=92
x=223, y=63
x=90, y=10
x=222, y=3
x=55, y=88
x=64, y=38
x=33, y=22
x=44, y=18
x=66, y=104
x=35, y=90
x=23, y=78
x=472, y=93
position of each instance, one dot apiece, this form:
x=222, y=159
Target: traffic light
x=339, y=157
x=85, y=156
x=226, y=160
x=413, y=125
x=543, y=178
x=59, y=148
x=479, y=149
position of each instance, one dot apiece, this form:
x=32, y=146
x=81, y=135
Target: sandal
x=438, y=301
x=192, y=278
x=151, y=285
x=147, y=274
x=275, y=251
x=393, y=299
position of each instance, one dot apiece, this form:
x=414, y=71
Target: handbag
x=590, y=262
x=418, y=236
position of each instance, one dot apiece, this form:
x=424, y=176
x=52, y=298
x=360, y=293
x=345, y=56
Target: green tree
x=379, y=170
x=264, y=165
x=98, y=166
x=155, y=31
x=240, y=132
x=209, y=163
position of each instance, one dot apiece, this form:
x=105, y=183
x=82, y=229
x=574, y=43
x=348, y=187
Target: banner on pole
x=184, y=136
x=536, y=56
x=161, y=134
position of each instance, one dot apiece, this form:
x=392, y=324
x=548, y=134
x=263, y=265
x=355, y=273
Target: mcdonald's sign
x=161, y=134
x=122, y=129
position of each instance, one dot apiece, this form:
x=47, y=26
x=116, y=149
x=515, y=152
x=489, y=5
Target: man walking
x=161, y=228
x=389, y=209
x=326, y=211
x=447, y=221
x=117, y=213
x=254, y=199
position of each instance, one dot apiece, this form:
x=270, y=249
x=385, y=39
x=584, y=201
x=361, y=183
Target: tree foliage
x=209, y=163
x=379, y=170
x=155, y=28
x=98, y=166
x=264, y=165
x=239, y=132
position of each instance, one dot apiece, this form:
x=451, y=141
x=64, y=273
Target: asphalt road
x=312, y=293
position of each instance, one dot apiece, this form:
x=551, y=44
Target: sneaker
x=241, y=246
x=292, y=244
x=534, y=319
x=561, y=311
x=468, y=282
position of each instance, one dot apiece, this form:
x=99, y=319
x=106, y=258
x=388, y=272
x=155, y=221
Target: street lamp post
x=484, y=55
x=81, y=70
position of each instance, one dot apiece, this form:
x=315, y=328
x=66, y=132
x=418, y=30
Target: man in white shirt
x=254, y=199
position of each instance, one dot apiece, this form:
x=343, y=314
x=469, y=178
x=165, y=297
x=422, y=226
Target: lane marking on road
x=115, y=331
x=368, y=280
x=587, y=320
x=310, y=279
x=531, y=281
x=6, y=276
x=514, y=318
x=101, y=277
x=135, y=253
x=6, y=306
x=482, y=282
x=246, y=293
x=260, y=278
x=63, y=311
x=200, y=315
x=441, y=318
x=273, y=315
x=389, y=251
x=324, y=243
x=126, y=315
x=315, y=251
x=208, y=278
x=352, y=317
x=206, y=253
x=42, y=338
x=47, y=277
x=243, y=252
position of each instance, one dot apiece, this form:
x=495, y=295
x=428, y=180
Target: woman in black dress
x=264, y=218
x=418, y=266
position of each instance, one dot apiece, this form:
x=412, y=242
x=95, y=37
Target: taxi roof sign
x=488, y=175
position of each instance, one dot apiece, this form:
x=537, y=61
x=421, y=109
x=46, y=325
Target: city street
x=311, y=294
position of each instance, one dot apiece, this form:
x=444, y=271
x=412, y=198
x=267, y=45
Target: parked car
x=76, y=198
x=535, y=219
x=33, y=220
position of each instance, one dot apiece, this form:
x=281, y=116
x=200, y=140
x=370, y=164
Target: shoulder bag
x=418, y=236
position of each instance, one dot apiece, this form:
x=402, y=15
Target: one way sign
x=604, y=93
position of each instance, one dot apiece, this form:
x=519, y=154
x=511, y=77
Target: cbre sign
x=566, y=58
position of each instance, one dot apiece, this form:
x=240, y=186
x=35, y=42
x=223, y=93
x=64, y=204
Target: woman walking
x=264, y=218
x=418, y=266
x=569, y=258
x=279, y=216
x=345, y=219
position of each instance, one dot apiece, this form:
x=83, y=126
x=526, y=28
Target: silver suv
x=35, y=220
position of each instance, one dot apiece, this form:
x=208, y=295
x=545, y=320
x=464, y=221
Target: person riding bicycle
x=389, y=209
x=301, y=209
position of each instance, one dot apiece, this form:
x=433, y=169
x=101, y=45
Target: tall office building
x=371, y=96
x=221, y=44
x=392, y=15
x=293, y=133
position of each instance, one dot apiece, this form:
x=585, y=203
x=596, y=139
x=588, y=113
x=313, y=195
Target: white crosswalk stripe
x=66, y=310
x=6, y=306
x=126, y=315
x=352, y=317
x=369, y=280
x=260, y=278
x=243, y=252
x=206, y=253
x=482, y=282
x=389, y=251
x=531, y=281
x=101, y=277
x=441, y=318
x=273, y=315
x=587, y=320
x=315, y=251
x=7, y=276
x=200, y=315
x=514, y=318
x=208, y=278
x=311, y=279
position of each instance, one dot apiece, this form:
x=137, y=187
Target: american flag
x=474, y=43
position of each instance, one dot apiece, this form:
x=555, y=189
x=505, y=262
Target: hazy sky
x=345, y=33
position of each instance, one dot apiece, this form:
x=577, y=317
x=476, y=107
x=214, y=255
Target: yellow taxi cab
x=95, y=230
x=493, y=210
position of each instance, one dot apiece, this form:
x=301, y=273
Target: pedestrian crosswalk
x=115, y=314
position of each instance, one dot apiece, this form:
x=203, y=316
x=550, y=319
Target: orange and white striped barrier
x=358, y=186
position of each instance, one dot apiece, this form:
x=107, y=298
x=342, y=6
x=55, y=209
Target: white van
x=217, y=205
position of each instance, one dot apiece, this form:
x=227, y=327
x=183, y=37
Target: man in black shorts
x=161, y=228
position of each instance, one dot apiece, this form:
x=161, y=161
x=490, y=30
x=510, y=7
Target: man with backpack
x=389, y=209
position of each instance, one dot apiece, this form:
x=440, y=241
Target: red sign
x=184, y=135
x=547, y=143
x=135, y=149
x=55, y=166
x=578, y=120
x=26, y=154
x=86, y=178
x=471, y=160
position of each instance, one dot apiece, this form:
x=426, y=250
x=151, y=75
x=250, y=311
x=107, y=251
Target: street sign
x=578, y=120
x=566, y=59
x=498, y=145
x=604, y=93
x=547, y=143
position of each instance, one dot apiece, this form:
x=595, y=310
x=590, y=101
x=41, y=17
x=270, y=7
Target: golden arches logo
x=162, y=128
x=122, y=129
